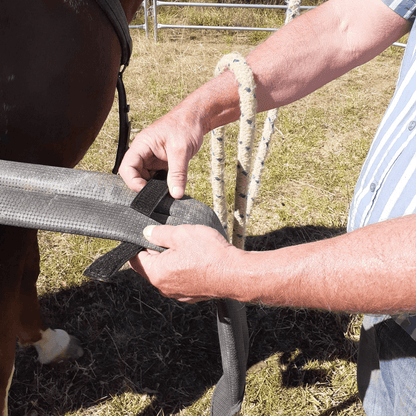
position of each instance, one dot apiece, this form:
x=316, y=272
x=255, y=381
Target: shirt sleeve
x=404, y=8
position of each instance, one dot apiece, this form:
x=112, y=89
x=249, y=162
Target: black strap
x=125, y=125
x=151, y=195
x=115, y=13
x=145, y=203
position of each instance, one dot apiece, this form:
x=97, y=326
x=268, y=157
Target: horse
x=59, y=68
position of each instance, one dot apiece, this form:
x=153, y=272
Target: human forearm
x=311, y=51
x=372, y=270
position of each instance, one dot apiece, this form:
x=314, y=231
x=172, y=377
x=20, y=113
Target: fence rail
x=249, y=6
x=157, y=26
x=144, y=26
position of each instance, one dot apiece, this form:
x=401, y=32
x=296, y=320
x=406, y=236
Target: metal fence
x=144, y=26
x=153, y=10
x=157, y=4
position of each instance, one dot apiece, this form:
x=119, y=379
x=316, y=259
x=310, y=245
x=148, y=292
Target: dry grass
x=147, y=355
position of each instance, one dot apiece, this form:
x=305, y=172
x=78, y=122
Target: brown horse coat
x=59, y=61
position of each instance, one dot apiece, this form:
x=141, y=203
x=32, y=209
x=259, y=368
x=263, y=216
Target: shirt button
x=372, y=187
x=411, y=125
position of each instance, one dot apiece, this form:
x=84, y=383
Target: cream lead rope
x=248, y=177
x=248, y=105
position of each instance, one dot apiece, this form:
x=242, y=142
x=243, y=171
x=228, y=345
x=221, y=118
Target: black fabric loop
x=105, y=266
x=145, y=202
x=149, y=197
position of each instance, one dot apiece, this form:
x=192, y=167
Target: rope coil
x=248, y=177
x=248, y=104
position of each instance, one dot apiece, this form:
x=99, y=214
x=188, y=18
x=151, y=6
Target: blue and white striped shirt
x=386, y=187
x=405, y=8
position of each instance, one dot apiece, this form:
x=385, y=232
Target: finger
x=132, y=178
x=178, y=172
x=132, y=171
x=136, y=265
x=159, y=235
x=191, y=300
x=138, y=165
x=181, y=298
x=142, y=261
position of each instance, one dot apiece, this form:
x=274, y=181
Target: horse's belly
x=57, y=79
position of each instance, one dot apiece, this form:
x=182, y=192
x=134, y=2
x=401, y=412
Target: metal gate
x=157, y=26
x=144, y=26
x=157, y=4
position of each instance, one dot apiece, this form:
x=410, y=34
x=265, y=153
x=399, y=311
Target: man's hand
x=194, y=267
x=168, y=144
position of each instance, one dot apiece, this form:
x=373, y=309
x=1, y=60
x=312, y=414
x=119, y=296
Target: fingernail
x=147, y=232
x=176, y=192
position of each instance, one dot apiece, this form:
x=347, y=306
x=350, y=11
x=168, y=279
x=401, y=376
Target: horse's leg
x=20, y=313
x=7, y=353
x=6, y=373
x=51, y=345
x=12, y=254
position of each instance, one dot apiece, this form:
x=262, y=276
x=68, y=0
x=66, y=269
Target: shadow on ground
x=136, y=340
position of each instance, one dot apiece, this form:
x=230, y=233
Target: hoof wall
x=72, y=352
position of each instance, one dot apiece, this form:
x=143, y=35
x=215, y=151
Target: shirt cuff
x=404, y=8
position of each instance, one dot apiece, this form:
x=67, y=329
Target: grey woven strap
x=86, y=203
x=99, y=205
x=233, y=336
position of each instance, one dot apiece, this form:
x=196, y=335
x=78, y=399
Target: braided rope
x=248, y=104
x=293, y=10
x=247, y=179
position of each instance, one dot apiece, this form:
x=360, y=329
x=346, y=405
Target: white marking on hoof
x=56, y=345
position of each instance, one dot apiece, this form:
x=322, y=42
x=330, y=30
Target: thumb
x=178, y=174
x=158, y=235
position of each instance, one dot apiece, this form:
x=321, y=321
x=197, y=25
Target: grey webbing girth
x=99, y=205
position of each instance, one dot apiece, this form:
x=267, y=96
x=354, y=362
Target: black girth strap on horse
x=117, y=17
x=101, y=205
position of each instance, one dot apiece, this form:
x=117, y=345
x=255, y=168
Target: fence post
x=146, y=21
x=155, y=18
x=146, y=18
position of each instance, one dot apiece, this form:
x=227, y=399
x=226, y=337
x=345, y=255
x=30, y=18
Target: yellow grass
x=302, y=362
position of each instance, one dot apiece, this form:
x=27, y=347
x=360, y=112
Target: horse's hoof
x=56, y=346
x=73, y=351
